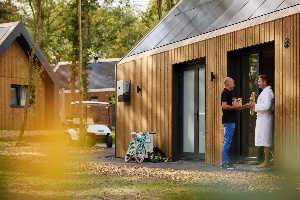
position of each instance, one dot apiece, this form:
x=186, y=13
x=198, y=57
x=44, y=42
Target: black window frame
x=18, y=93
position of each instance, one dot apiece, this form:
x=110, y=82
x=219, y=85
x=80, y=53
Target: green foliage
x=9, y=12
x=114, y=26
x=117, y=30
x=253, y=72
x=112, y=99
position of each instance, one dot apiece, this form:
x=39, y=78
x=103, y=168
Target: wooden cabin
x=15, y=43
x=101, y=88
x=180, y=65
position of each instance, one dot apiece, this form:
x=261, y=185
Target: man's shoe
x=227, y=166
x=230, y=166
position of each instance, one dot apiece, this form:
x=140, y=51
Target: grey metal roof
x=3, y=30
x=97, y=80
x=195, y=17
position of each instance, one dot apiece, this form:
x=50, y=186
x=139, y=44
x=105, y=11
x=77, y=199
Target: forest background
x=110, y=27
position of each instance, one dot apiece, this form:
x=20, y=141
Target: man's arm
x=225, y=106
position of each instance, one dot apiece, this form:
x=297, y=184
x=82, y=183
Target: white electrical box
x=122, y=87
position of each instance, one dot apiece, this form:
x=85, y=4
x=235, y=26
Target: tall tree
x=85, y=73
x=161, y=4
x=73, y=36
x=159, y=8
x=81, y=133
x=88, y=6
x=34, y=70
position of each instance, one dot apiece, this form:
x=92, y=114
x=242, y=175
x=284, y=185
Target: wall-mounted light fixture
x=286, y=43
x=212, y=76
x=138, y=89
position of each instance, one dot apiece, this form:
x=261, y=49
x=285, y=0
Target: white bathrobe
x=264, y=122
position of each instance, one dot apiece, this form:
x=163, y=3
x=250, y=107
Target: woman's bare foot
x=264, y=164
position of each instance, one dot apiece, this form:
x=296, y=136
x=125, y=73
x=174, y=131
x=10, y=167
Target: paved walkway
x=108, y=157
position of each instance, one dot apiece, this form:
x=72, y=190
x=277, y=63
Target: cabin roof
x=9, y=32
x=97, y=80
x=191, y=18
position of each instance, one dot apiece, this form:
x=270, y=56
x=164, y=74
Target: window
x=94, y=99
x=18, y=96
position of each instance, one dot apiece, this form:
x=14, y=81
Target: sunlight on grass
x=37, y=170
x=53, y=170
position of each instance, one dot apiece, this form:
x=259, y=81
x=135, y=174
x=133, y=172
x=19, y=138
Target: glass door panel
x=201, y=110
x=188, y=111
x=249, y=85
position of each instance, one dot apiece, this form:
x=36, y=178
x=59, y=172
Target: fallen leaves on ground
x=251, y=181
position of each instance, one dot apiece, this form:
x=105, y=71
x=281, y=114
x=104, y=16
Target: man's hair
x=226, y=80
x=264, y=78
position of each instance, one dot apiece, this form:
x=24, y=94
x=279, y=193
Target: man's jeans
x=228, y=132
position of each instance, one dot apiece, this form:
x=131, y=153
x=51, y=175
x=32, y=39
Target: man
x=228, y=120
x=264, y=122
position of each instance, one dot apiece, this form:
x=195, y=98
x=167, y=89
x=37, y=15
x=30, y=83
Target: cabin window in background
x=18, y=96
x=94, y=99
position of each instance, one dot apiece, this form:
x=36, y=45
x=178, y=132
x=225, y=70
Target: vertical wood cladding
x=12, y=72
x=150, y=110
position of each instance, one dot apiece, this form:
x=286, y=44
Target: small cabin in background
x=15, y=44
x=101, y=88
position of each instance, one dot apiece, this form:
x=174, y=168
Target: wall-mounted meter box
x=123, y=91
x=122, y=87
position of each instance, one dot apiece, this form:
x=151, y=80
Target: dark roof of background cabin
x=195, y=17
x=97, y=80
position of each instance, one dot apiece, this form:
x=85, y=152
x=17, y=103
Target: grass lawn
x=47, y=171
x=51, y=171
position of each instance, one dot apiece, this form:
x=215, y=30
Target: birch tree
x=34, y=71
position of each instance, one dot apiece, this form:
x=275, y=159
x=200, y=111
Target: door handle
x=197, y=114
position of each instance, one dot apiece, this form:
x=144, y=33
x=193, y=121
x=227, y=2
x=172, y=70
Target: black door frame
x=234, y=63
x=177, y=108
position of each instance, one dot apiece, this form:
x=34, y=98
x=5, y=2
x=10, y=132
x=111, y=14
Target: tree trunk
x=31, y=68
x=159, y=6
x=169, y=4
x=72, y=81
x=85, y=74
x=81, y=133
x=73, y=69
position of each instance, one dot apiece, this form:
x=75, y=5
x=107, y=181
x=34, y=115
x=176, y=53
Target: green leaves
x=115, y=26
